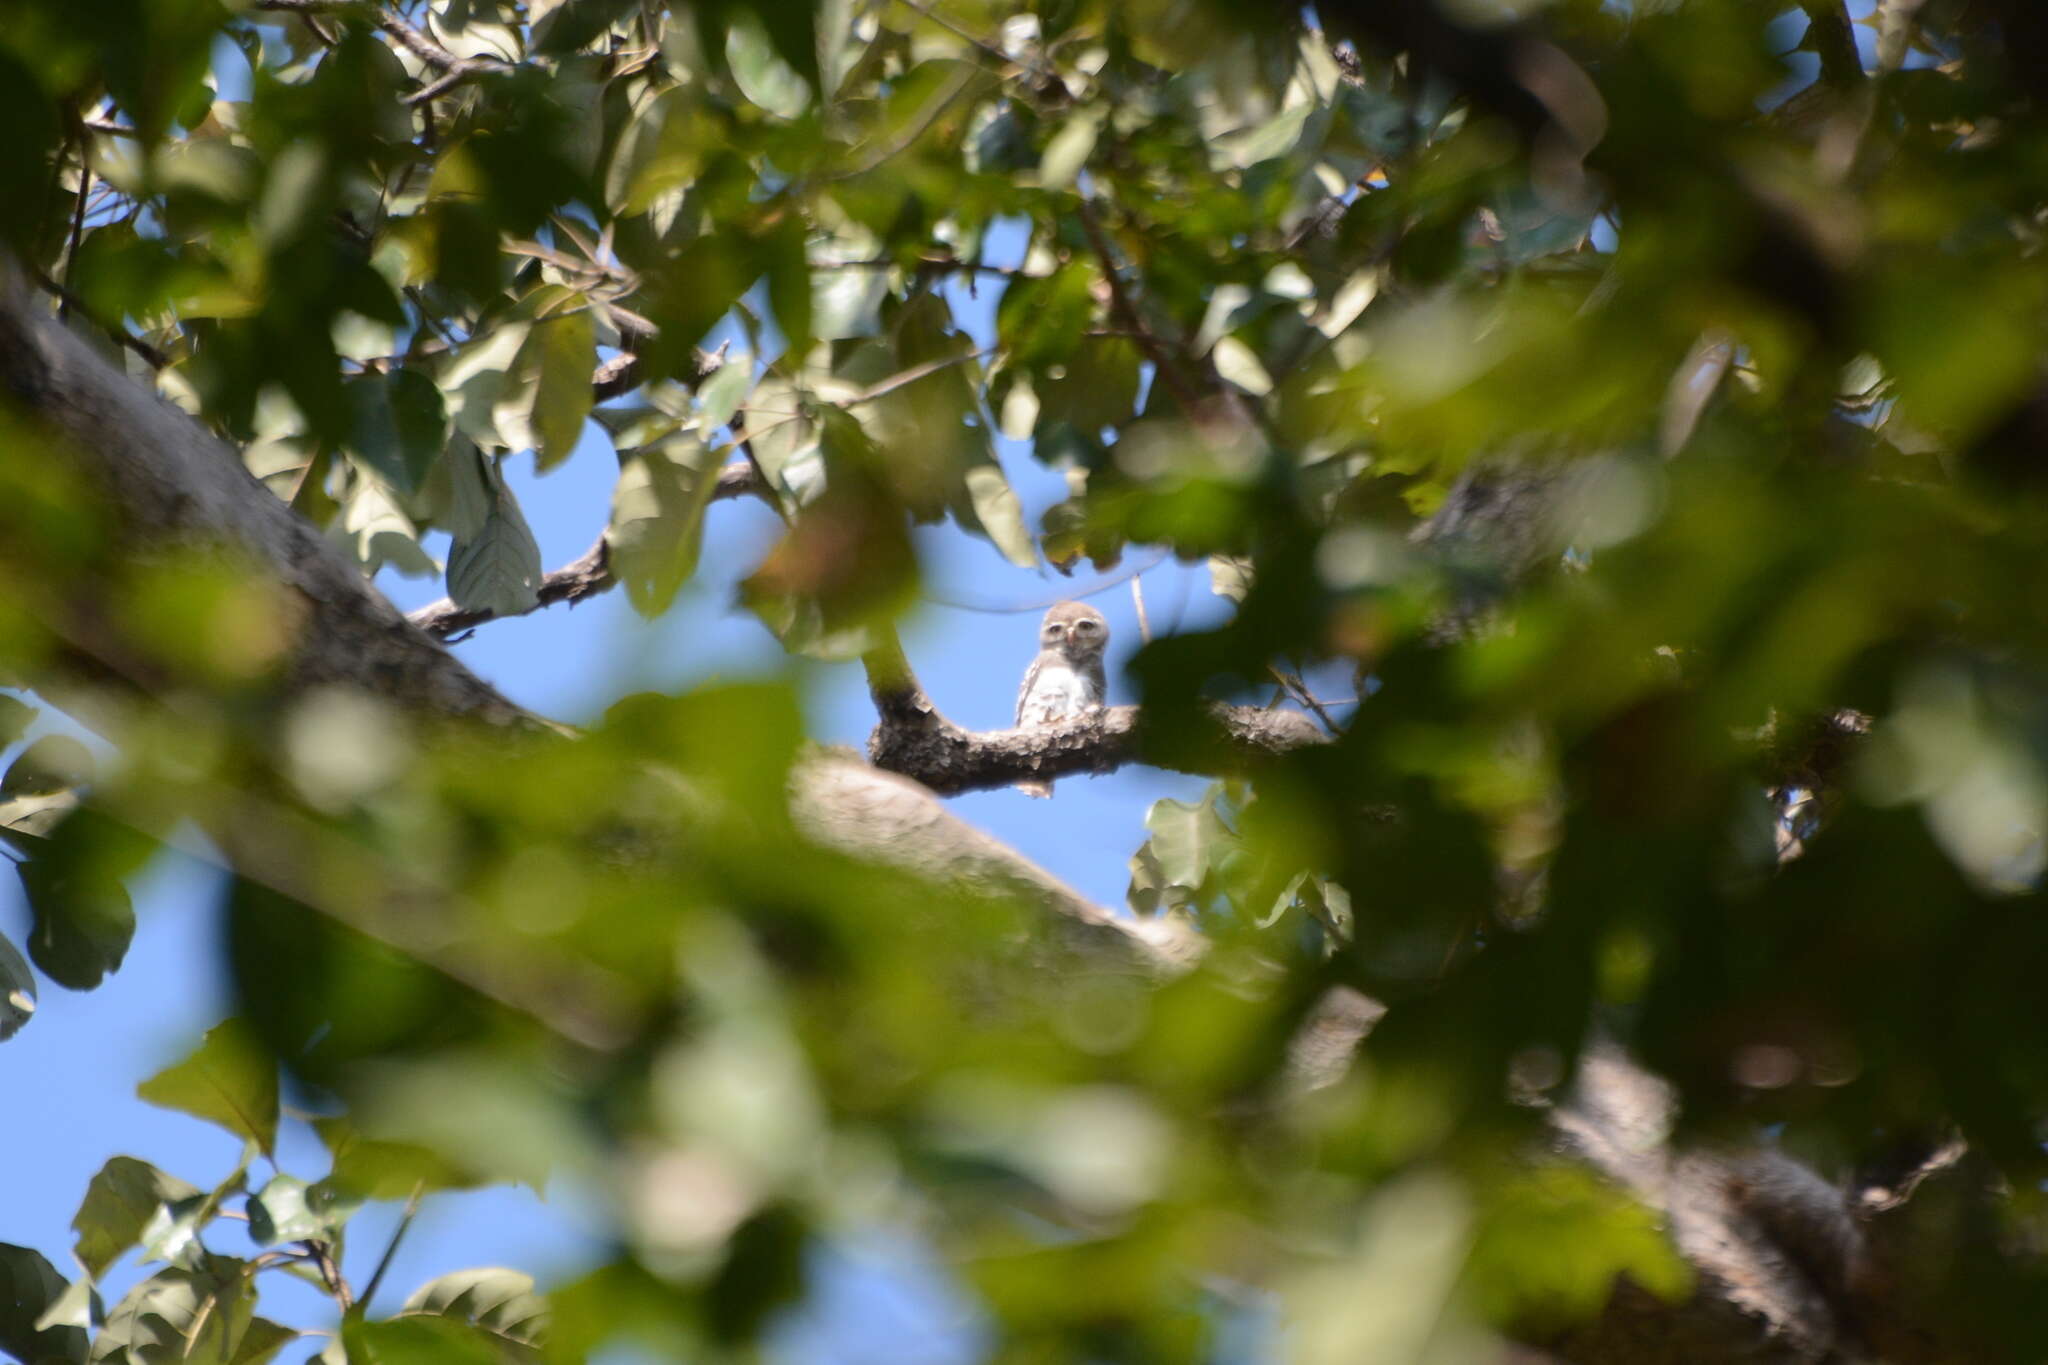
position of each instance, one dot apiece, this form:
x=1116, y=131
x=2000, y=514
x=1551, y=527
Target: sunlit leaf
x=657, y=518
x=122, y=1200
x=230, y=1080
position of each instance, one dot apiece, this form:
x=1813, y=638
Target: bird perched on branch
x=1066, y=678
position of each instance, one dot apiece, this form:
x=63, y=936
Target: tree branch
x=586, y=576
x=914, y=739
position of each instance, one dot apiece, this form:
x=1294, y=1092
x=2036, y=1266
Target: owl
x=1066, y=678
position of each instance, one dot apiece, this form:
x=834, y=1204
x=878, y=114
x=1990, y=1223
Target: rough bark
x=913, y=738
x=173, y=486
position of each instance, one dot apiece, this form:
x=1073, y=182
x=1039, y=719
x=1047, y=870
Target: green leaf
x=1069, y=149
x=491, y=1299
x=16, y=716
x=479, y=379
x=84, y=919
x=993, y=509
x=120, y=1202
x=172, y=1233
x=1189, y=841
x=1095, y=385
x=53, y=763
x=29, y=1287
x=367, y=1168
x=785, y=260
x=230, y=1080
x=720, y=396
x=282, y=1212
x=377, y=532
x=498, y=569
x=422, y=1341
x=658, y=518
x=80, y=1308
x=761, y=67
x=262, y=1340
x=400, y=426
x=1040, y=321
x=197, y=1316
x=469, y=499
x=17, y=989
x=563, y=352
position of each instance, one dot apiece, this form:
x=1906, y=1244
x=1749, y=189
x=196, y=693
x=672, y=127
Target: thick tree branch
x=172, y=486
x=914, y=739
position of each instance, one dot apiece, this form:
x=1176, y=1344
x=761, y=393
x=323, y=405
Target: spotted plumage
x=1066, y=678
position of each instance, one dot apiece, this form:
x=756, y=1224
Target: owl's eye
x=1090, y=626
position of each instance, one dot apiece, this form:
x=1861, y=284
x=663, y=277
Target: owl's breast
x=1057, y=692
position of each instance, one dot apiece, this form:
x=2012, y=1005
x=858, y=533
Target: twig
x=960, y=32
x=947, y=264
x=1125, y=311
x=1297, y=689
x=330, y=1273
x=77, y=234
x=1138, y=601
x=65, y=298
x=586, y=576
x=412, y=1208
x=767, y=485
x=927, y=117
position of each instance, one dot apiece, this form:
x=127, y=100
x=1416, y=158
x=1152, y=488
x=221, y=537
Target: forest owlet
x=1066, y=677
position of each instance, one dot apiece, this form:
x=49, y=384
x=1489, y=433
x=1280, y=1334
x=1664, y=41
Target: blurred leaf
x=230, y=1080
x=657, y=518
x=122, y=1200
x=562, y=351
x=761, y=56
x=720, y=396
x=1553, y=1239
x=401, y=425
x=51, y=764
x=366, y=1168
x=15, y=718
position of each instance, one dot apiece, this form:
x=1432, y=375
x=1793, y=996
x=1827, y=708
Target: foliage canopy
x=1642, y=400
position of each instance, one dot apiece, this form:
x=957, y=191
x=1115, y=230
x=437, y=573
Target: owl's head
x=1074, y=629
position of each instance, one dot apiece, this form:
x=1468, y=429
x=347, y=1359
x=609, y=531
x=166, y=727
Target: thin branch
x=959, y=32
x=151, y=355
x=1138, y=601
x=1292, y=684
x=927, y=116
x=587, y=576
x=77, y=234
x=330, y=1273
x=942, y=264
x=1125, y=311
x=412, y=1208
